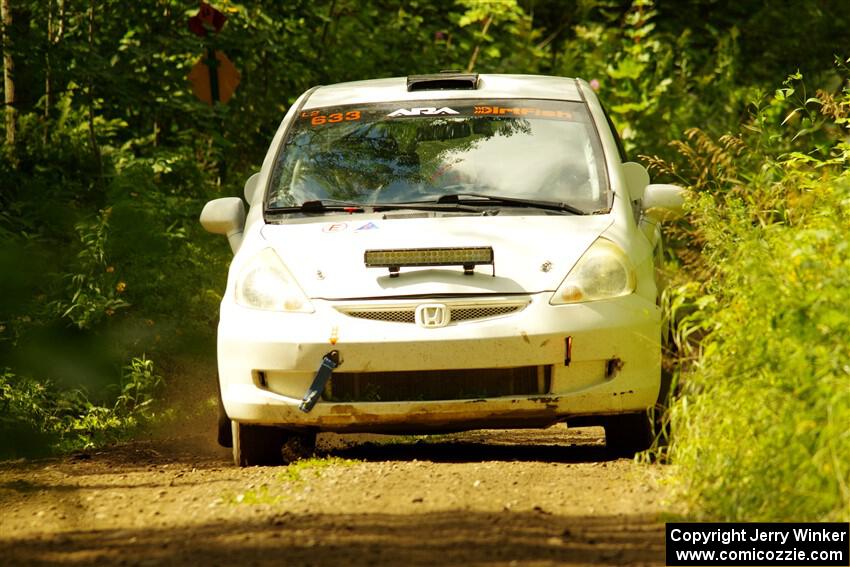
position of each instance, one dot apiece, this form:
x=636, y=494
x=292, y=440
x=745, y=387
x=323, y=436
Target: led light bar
x=395, y=259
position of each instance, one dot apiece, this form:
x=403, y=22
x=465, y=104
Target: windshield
x=400, y=152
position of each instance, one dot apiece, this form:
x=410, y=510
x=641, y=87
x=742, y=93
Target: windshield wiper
x=482, y=199
x=319, y=206
x=333, y=205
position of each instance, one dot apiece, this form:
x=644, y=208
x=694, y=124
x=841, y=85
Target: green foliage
x=94, y=289
x=498, y=35
x=763, y=422
x=38, y=416
x=254, y=497
x=293, y=476
x=139, y=386
x=655, y=83
x=313, y=467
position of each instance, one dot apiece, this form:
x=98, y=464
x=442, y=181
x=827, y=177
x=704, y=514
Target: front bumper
x=267, y=361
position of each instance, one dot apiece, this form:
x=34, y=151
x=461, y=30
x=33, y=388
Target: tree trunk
x=47, y=83
x=477, y=50
x=61, y=29
x=55, y=31
x=92, y=133
x=8, y=74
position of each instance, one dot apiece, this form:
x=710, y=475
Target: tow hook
x=329, y=362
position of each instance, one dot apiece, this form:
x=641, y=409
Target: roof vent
x=443, y=81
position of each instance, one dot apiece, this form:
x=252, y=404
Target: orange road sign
x=226, y=74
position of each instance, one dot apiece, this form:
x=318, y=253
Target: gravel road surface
x=525, y=497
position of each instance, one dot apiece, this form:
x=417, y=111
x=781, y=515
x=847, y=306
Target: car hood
x=532, y=253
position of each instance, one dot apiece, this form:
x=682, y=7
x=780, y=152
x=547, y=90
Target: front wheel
x=256, y=445
x=224, y=428
x=628, y=434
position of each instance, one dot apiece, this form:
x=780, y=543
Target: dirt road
x=552, y=497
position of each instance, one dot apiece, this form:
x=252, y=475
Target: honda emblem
x=432, y=315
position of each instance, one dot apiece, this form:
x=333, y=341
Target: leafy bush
x=37, y=417
x=763, y=423
x=93, y=288
x=655, y=83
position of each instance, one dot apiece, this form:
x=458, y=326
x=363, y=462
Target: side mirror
x=663, y=202
x=251, y=187
x=225, y=216
x=637, y=178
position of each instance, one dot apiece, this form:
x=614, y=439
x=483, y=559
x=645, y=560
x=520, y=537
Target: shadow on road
x=470, y=452
x=201, y=451
x=553, y=445
x=436, y=538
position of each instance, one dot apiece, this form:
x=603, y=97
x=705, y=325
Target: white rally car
x=440, y=253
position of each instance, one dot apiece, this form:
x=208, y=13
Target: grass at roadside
x=762, y=428
x=313, y=467
x=293, y=475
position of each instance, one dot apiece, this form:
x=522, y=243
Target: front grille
x=430, y=385
x=390, y=316
x=457, y=312
x=472, y=313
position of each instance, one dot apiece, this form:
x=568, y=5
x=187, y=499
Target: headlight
x=602, y=272
x=265, y=283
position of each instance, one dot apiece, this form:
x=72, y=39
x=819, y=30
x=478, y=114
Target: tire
x=257, y=445
x=225, y=429
x=628, y=434
x=660, y=414
x=260, y=445
x=297, y=446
